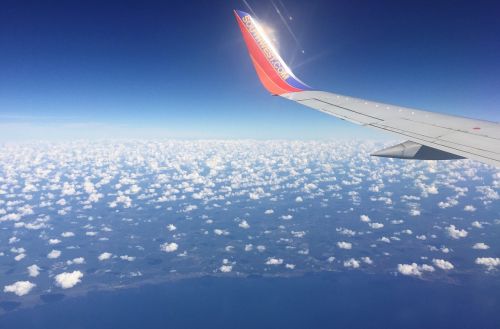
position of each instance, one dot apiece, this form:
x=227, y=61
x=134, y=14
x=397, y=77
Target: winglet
x=274, y=74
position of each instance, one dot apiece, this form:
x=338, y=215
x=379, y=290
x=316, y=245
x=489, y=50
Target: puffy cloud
x=364, y=218
x=169, y=247
x=77, y=260
x=54, y=241
x=431, y=189
x=470, y=208
x=287, y=217
x=261, y=248
x=19, y=257
x=171, y=227
x=269, y=212
x=442, y=264
x=218, y=231
x=480, y=246
x=127, y=258
x=244, y=224
x=226, y=268
x=68, y=280
x=54, y=254
x=414, y=212
x=290, y=266
x=490, y=262
x=414, y=269
x=67, y=234
x=34, y=270
x=344, y=245
x=299, y=199
x=477, y=224
x=376, y=226
x=20, y=288
x=298, y=234
x=367, y=260
x=274, y=261
x=105, y=256
x=455, y=233
x=353, y=263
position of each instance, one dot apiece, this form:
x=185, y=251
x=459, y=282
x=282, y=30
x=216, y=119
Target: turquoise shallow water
x=325, y=300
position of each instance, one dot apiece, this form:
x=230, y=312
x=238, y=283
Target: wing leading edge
x=429, y=135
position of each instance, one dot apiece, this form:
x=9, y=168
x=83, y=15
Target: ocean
x=321, y=300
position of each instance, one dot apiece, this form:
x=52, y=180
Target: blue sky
x=179, y=69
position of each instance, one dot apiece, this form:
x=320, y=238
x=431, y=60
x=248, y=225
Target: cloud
x=274, y=261
x=353, y=263
x=431, y=189
x=67, y=234
x=19, y=257
x=169, y=247
x=455, y=233
x=77, y=260
x=171, y=227
x=34, y=270
x=490, y=262
x=344, y=245
x=127, y=258
x=105, y=256
x=20, y=288
x=470, y=208
x=442, y=264
x=480, y=246
x=364, y=218
x=68, y=280
x=54, y=254
x=367, y=260
x=54, y=241
x=218, y=231
x=226, y=268
x=477, y=224
x=376, y=226
x=244, y=224
x=269, y=212
x=414, y=269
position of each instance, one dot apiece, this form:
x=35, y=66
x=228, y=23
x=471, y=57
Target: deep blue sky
x=180, y=69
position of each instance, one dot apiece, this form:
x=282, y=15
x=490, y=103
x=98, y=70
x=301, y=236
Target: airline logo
x=264, y=47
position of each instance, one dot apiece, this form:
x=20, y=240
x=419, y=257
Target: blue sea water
x=324, y=300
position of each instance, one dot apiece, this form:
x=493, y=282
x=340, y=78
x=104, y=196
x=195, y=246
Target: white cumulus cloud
x=105, y=256
x=68, y=280
x=20, y=288
x=344, y=245
x=169, y=247
x=455, y=233
x=442, y=264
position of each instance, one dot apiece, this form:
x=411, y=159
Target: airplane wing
x=430, y=136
